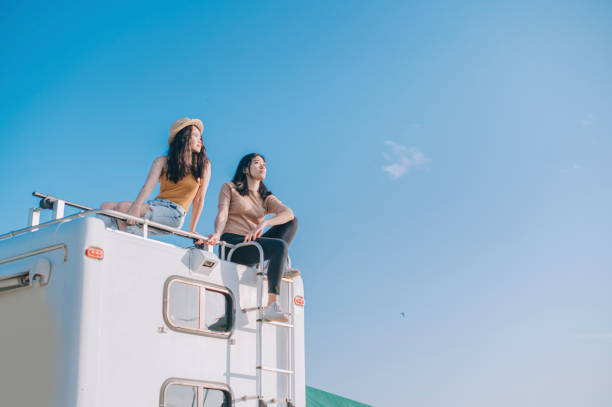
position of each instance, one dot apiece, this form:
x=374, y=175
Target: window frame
x=200, y=384
x=205, y=285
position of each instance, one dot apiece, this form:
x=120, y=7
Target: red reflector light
x=298, y=300
x=94, y=253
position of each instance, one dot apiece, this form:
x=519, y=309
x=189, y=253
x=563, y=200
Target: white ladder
x=289, y=372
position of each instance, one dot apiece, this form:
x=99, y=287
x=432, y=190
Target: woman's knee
x=292, y=226
x=124, y=206
x=276, y=247
x=293, y=222
x=282, y=247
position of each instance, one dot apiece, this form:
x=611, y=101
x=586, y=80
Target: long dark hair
x=240, y=178
x=178, y=167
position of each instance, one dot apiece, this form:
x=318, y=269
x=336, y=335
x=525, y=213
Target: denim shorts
x=162, y=211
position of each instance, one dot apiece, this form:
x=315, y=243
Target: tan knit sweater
x=245, y=212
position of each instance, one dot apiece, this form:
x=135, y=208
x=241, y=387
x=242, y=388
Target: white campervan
x=94, y=317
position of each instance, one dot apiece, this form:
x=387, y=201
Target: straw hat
x=180, y=124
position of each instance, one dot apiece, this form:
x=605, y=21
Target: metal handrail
x=46, y=202
x=145, y=222
x=234, y=247
x=113, y=214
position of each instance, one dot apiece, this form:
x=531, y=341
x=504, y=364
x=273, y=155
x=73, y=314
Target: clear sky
x=449, y=163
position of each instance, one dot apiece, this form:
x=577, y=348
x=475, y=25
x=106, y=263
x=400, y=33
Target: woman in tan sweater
x=183, y=174
x=243, y=204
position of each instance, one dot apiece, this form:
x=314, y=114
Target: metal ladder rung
x=245, y=310
x=253, y=397
x=262, y=401
x=273, y=369
x=249, y=309
x=276, y=323
x=285, y=280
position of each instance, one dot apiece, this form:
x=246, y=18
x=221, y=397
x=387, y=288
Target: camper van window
x=214, y=398
x=176, y=393
x=184, y=305
x=196, y=307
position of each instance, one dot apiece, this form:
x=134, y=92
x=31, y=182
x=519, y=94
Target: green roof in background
x=320, y=398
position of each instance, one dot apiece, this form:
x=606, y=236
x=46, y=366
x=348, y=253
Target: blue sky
x=447, y=160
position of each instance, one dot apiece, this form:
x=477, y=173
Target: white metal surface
x=95, y=334
x=34, y=217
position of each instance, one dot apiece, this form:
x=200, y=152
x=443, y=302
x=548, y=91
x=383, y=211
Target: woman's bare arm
x=198, y=202
x=225, y=197
x=283, y=216
x=148, y=187
x=220, y=222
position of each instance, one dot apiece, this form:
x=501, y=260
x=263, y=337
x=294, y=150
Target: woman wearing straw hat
x=184, y=174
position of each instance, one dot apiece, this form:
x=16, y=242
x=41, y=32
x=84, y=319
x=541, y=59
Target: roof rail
x=57, y=206
x=113, y=214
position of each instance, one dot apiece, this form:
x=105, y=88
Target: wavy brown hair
x=179, y=165
x=240, y=178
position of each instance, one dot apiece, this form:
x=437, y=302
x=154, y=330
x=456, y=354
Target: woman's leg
x=123, y=206
x=274, y=249
x=286, y=231
x=108, y=221
x=245, y=255
x=108, y=205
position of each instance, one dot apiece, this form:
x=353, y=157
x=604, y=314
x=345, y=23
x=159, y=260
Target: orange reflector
x=298, y=300
x=94, y=253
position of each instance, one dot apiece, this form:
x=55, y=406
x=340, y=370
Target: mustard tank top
x=181, y=192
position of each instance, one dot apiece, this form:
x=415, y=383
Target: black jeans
x=275, y=243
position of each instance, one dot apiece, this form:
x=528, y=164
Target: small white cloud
x=402, y=158
x=596, y=335
x=573, y=167
x=589, y=120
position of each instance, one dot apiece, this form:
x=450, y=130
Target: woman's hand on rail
x=256, y=232
x=134, y=211
x=213, y=239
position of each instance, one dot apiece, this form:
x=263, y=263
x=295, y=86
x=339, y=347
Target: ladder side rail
x=223, y=253
x=291, y=343
x=290, y=349
x=258, y=325
x=290, y=338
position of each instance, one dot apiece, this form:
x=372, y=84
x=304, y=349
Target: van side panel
x=39, y=338
x=95, y=335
